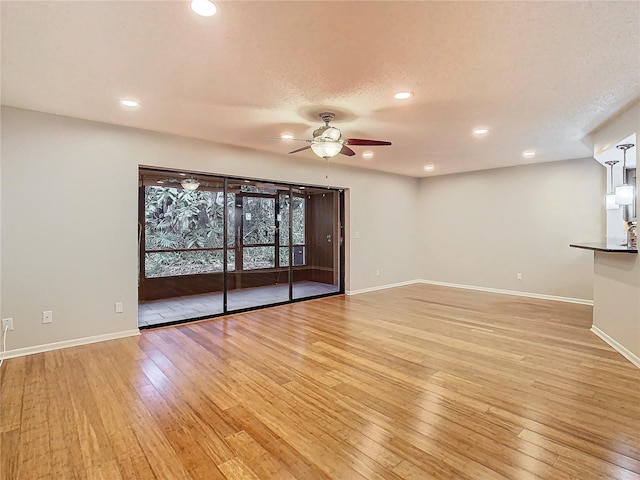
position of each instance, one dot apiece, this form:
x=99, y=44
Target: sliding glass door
x=258, y=278
x=317, y=271
x=181, y=248
x=210, y=245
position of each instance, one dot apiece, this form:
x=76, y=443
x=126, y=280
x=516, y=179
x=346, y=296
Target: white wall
x=482, y=228
x=69, y=218
x=69, y=221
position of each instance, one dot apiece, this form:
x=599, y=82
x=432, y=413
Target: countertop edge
x=603, y=247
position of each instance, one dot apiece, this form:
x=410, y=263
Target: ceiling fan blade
x=370, y=143
x=280, y=138
x=300, y=149
x=347, y=151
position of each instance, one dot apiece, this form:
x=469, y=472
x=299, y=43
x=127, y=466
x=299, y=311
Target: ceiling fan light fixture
x=328, y=142
x=325, y=149
x=204, y=8
x=190, y=184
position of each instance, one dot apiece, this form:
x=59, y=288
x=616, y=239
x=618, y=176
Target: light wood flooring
x=417, y=382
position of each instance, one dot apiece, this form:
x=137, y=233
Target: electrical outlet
x=47, y=316
x=7, y=323
x=118, y=307
x=519, y=276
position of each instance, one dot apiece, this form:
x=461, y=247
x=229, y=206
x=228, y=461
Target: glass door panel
x=258, y=278
x=181, y=248
x=297, y=234
x=316, y=243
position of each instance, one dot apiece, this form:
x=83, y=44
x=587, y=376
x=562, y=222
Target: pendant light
x=610, y=198
x=624, y=192
x=190, y=184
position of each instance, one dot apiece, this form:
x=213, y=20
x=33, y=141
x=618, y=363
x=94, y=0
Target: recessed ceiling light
x=286, y=136
x=529, y=154
x=303, y=188
x=403, y=95
x=127, y=102
x=367, y=154
x=160, y=181
x=182, y=174
x=204, y=8
x=428, y=168
x=479, y=132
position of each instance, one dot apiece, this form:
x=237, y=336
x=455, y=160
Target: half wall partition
x=233, y=244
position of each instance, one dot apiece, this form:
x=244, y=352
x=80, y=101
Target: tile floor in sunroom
x=158, y=312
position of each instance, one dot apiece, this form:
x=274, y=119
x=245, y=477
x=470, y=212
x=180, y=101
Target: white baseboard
x=542, y=296
x=381, y=287
x=516, y=293
x=20, y=352
x=632, y=357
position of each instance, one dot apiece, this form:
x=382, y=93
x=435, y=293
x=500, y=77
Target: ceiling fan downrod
x=327, y=117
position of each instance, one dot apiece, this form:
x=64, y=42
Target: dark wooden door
x=323, y=241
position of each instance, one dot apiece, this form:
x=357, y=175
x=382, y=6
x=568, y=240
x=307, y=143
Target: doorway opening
x=233, y=244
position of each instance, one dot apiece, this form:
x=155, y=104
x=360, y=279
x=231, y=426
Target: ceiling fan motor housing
x=327, y=133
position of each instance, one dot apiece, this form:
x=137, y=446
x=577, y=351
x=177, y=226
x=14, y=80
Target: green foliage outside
x=183, y=219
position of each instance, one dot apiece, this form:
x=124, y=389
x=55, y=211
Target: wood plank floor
x=417, y=382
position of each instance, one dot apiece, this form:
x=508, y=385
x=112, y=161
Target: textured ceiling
x=540, y=75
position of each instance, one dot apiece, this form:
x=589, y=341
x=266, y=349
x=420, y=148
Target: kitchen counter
x=616, y=297
x=605, y=247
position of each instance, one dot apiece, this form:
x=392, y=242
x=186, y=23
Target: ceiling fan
x=327, y=141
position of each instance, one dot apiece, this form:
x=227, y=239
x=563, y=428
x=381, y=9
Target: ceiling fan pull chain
x=326, y=176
